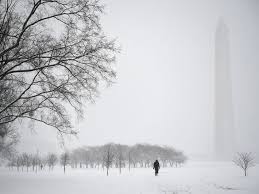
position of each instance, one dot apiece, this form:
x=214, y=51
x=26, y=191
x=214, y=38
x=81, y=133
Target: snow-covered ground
x=194, y=177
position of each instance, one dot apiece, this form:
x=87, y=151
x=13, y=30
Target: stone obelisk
x=224, y=133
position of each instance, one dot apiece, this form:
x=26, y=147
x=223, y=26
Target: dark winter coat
x=156, y=165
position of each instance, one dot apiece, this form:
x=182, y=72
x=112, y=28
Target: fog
x=165, y=93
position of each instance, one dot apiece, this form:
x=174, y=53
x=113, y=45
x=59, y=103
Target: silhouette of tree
x=244, y=161
x=64, y=160
x=51, y=160
x=108, y=156
x=53, y=54
x=8, y=139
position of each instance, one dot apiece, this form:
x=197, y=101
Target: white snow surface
x=192, y=178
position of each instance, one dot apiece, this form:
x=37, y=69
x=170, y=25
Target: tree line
x=34, y=162
x=105, y=156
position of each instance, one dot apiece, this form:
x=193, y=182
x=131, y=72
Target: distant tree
x=120, y=149
x=12, y=162
x=108, y=156
x=134, y=155
x=164, y=154
x=53, y=54
x=26, y=160
x=35, y=161
x=64, y=160
x=92, y=156
x=129, y=157
x=142, y=155
x=44, y=162
x=8, y=139
x=244, y=160
x=51, y=160
x=98, y=156
x=79, y=153
x=18, y=162
x=86, y=158
x=74, y=159
x=179, y=158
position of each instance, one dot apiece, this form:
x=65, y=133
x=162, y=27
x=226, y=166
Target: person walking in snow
x=156, y=166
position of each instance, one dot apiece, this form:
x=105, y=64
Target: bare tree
x=51, y=160
x=52, y=54
x=35, y=161
x=119, y=156
x=26, y=160
x=244, y=160
x=64, y=160
x=8, y=139
x=12, y=162
x=18, y=162
x=129, y=157
x=108, y=156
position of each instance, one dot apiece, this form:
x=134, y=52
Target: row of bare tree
x=106, y=156
x=34, y=162
x=114, y=155
x=119, y=156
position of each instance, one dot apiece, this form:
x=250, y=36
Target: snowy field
x=194, y=177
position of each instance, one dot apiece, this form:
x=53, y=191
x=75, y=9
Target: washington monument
x=223, y=116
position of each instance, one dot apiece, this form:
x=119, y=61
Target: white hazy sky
x=164, y=91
